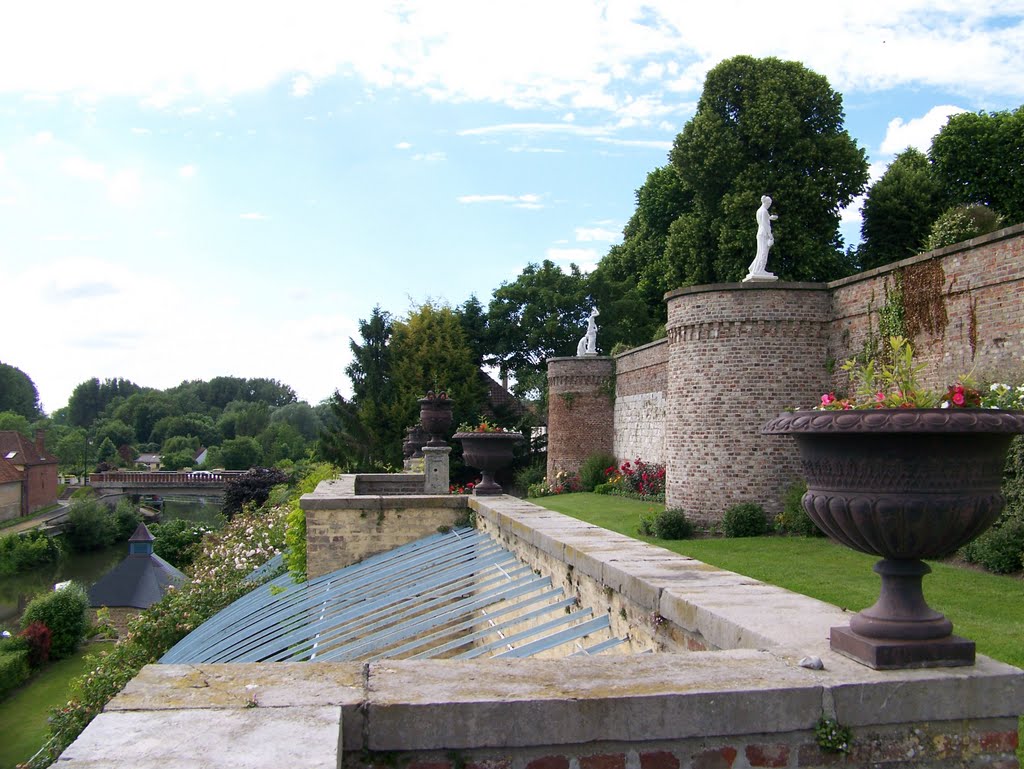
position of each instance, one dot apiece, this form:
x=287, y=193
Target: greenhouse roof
x=458, y=594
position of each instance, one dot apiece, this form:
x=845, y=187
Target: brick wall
x=640, y=378
x=965, y=303
x=343, y=528
x=580, y=410
x=738, y=355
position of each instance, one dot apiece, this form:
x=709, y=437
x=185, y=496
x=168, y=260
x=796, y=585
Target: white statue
x=765, y=241
x=588, y=343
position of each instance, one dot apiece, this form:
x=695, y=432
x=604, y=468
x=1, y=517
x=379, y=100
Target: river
x=87, y=568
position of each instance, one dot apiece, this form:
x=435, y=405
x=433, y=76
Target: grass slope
x=23, y=714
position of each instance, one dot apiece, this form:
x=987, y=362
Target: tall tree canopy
x=764, y=126
x=18, y=392
x=541, y=313
x=977, y=159
x=899, y=210
x=92, y=397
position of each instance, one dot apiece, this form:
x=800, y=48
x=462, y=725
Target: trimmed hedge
x=745, y=520
x=14, y=669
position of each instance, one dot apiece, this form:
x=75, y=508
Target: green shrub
x=960, y=223
x=646, y=526
x=794, y=519
x=672, y=524
x=39, y=639
x=604, y=488
x=14, y=669
x=745, y=520
x=528, y=476
x=91, y=524
x=177, y=541
x=295, y=522
x=21, y=552
x=1000, y=549
x=64, y=612
x=594, y=469
x=126, y=520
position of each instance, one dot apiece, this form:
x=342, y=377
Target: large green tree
x=18, y=392
x=430, y=352
x=540, y=314
x=92, y=397
x=764, y=126
x=899, y=210
x=977, y=159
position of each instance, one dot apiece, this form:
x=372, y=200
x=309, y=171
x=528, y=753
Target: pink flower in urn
x=828, y=399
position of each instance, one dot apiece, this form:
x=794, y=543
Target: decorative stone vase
x=488, y=453
x=436, y=417
x=903, y=484
x=415, y=439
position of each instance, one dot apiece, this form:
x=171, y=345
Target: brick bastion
x=722, y=688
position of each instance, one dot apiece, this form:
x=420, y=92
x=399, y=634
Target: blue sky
x=225, y=188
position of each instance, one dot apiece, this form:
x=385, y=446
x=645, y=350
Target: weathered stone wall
x=10, y=500
x=739, y=354
x=580, y=410
x=963, y=306
x=640, y=380
x=343, y=528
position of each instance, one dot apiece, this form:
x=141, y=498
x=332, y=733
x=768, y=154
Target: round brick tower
x=739, y=354
x=581, y=406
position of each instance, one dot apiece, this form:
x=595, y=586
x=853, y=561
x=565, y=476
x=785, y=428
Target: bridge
x=162, y=484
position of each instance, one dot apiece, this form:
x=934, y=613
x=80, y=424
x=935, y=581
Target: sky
x=224, y=189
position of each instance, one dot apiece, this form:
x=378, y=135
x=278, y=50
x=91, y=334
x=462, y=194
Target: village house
x=27, y=467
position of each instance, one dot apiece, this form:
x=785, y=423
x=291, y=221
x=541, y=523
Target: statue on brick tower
x=765, y=241
x=588, y=343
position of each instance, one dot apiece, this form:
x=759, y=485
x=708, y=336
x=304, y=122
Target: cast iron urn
x=903, y=484
x=436, y=416
x=488, y=452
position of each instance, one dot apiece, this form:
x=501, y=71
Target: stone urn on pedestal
x=488, y=452
x=904, y=484
x=436, y=417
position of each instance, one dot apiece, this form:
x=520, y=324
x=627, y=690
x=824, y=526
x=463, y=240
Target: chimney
x=40, y=442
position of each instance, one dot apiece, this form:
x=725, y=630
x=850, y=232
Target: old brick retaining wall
x=738, y=354
x=581, y=400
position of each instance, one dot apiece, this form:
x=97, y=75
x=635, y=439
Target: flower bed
x=637, y=479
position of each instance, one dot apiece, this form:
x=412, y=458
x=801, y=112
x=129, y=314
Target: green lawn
x=987, y=608
x=23, y=714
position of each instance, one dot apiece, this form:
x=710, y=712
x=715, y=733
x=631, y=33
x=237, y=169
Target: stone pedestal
x=435, y=468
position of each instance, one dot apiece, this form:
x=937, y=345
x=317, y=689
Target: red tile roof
x=24, y=451
x=9, y=473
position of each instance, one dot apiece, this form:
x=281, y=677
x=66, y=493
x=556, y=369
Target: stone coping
x=448, y=704
x=767, y=285
x=339, y=494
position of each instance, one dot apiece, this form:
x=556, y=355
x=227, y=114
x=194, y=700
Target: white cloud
x=141, y=131
x=125, y=187
x=917, y=132
x=188, y=171
x=302, y=85
x=586, y=234
x=536, y=128
x=654, y=144
x=43, y=137
x=81, y=168
x=429, y=157
x=528, y=200
x=255, y=216
x=403, y=146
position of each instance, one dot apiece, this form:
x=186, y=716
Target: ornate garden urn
x=415, y=438
x=436, y=416
x=488, y=452
x=905, y=485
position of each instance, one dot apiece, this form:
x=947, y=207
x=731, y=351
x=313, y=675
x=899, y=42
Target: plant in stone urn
x=488, y=448
x=436, y=416
x=889, y=474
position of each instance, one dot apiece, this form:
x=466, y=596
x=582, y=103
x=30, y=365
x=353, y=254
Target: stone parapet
x=747, y=704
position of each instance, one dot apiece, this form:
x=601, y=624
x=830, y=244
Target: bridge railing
x=147, y=478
